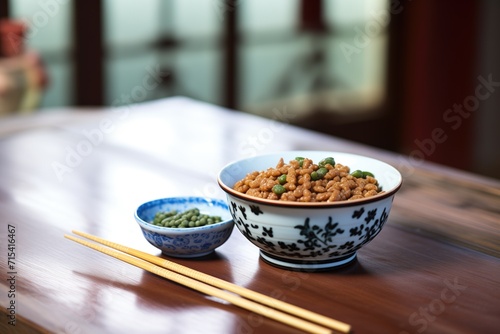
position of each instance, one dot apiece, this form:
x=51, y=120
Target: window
x=182, y=42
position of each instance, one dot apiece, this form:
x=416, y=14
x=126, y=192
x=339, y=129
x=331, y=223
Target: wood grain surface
x=434, y=268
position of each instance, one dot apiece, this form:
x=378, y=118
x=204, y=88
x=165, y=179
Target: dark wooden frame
x=88, y=53
x=230, y=65
x=4, y=9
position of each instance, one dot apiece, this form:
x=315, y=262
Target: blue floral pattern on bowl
x=325, y=240
x=185, y=242
x=309, y=236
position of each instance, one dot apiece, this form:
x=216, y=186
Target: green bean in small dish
x=184, y=219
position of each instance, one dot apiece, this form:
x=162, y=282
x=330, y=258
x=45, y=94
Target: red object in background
x=12, y=38
x=12, y=34
x=23, y=77
x=440, y=72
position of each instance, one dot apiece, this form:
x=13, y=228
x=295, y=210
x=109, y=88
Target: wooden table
x=434, y=268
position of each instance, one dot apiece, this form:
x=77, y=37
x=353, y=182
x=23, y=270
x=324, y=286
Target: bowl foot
x=307, y=265
x=186, y=256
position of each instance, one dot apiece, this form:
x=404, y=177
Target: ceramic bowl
x=190, y=241
x=309, y=236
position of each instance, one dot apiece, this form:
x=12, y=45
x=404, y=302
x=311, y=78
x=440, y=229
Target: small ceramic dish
x=188, y=241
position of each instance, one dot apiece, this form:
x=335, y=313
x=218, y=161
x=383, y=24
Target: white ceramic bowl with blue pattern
x=190, y=241
x=309, y=236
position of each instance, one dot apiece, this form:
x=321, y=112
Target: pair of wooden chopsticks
x=247, y=299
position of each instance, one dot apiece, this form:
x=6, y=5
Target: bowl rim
x=160, y=229
x=289, y=204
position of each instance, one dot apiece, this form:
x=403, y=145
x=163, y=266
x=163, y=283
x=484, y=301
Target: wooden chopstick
x=208, y=289
x=211, y=280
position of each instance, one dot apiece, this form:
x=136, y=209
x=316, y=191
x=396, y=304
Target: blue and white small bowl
x=185, y=242
x=309, y=236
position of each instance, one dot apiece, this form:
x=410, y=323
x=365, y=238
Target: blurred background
x=420, y=78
